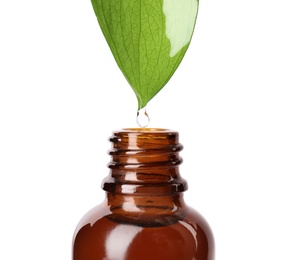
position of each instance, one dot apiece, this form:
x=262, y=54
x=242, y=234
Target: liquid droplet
x=143, y=119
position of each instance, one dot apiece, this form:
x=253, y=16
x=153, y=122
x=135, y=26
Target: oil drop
x=142, y=119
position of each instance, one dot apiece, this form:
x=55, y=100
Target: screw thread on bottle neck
x=145, y=161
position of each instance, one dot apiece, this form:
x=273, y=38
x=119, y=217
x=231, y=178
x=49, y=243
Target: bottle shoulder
x=199, y=226
x=192, y=216
x=186, y=215
x=91, y=217
x=185, y=237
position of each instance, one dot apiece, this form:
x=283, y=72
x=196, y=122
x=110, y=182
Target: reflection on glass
x=118, y=241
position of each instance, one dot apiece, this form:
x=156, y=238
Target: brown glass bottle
x=144, y=216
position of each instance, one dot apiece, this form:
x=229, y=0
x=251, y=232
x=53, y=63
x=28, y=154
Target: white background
x=61, y=96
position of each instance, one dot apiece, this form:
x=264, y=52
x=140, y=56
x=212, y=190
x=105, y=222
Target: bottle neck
x=145, y=162
x=146, y=209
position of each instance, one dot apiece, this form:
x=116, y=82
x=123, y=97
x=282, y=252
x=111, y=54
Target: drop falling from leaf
x=142, y=119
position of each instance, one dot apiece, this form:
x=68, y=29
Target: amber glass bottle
x=144, y=216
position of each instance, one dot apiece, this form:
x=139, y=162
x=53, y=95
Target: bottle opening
x=141, y=129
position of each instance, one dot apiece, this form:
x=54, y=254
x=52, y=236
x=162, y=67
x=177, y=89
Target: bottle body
x=144, y=215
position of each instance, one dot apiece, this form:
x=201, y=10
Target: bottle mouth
x=143, y=129
x=144, y=138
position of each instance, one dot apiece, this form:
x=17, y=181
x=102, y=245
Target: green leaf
x=148, y=39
